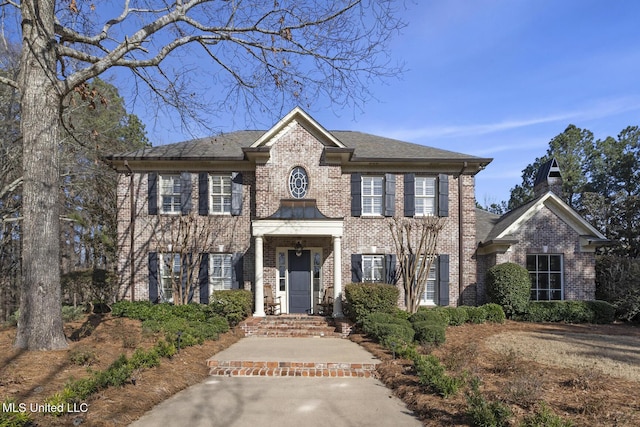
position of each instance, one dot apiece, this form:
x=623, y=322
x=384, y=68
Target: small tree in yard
x=415, y=241
x=184, y=241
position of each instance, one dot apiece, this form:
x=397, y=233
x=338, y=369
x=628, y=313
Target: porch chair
x=271, y=304
x=325, y=307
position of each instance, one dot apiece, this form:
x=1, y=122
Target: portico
x=297, y=228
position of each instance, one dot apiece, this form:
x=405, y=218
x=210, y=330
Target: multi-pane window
x=430, y=289
x=546, y=276
x=170, y=197
x=220, y=271
x=372, y=195
x=170, y=267
x=220, y=194
x=425, y=196
x=373, y=268
x=298, y=182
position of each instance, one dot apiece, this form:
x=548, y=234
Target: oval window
x=298, y=182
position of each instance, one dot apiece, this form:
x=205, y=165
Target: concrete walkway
x=228, y=401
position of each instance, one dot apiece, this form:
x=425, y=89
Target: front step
x=238, y=368
x=292, y=326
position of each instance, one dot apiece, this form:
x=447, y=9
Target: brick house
x=545, y=235
x=298, y=211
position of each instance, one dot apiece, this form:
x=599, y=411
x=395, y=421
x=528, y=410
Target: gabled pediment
x=501, y=237
x=297, y=116
x=556, y=205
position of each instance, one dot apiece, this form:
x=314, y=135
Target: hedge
x=365, y=298
x=388, y=329
x=569, y=312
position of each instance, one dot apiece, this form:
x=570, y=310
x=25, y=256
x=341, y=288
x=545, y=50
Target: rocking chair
x=271, y=304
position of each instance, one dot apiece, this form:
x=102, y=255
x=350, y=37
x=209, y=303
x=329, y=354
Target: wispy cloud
x=604, y=108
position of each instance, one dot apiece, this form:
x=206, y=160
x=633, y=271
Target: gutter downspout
x=460, y=237
x=132, y=218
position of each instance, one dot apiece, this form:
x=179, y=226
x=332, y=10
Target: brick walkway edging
x=290, y=369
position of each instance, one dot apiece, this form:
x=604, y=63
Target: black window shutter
x=443, y=279
x=153, y=277
x=203, y=193
x=356, y=268
x=389, y=194
x=356, y=194
x=390, y=268
x=443, y=195
x=152, y=193
x=236, y=193
x=185, y=193
x=237, y=271
x=409, y=195
x=203, y=279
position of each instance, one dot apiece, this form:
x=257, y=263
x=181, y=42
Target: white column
x=259, y=285
x=337, y=276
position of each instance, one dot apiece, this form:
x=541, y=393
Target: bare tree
x=261, y=53
x=184, y=239
x=415, y=240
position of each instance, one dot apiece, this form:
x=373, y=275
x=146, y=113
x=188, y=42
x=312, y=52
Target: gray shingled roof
x=489, y=226
x=229, y=146
x=485, y=222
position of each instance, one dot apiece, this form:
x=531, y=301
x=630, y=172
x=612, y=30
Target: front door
x=299, y=282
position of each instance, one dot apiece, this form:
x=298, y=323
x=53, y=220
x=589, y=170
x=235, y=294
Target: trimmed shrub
x=569, y=312
x=388, y=329
x=457, y=315
x=494, y=313
x=430, y=315
x=234, y=305
x=430, y=332
x=365, y=298
x=603, y=312
x=476, y=315
x=509, y=286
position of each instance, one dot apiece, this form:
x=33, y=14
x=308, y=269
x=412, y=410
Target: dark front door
x=299, y=282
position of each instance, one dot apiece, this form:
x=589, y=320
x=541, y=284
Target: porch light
x=298, y=248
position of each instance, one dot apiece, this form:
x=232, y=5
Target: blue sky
x=496, y=78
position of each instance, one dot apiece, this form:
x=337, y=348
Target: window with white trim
x=298, y=182
x=425, y=196
x=546, y=275
x=220, y=267
x=220, y=194
x=430, y=294
x=372, y=195
x=170, y=267
x=170, y=193
x=373, y=268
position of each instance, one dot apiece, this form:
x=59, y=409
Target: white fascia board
x=299, y=115
x=291, y=227
x=560, y=208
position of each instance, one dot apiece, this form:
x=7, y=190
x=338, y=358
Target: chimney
x=548, y=179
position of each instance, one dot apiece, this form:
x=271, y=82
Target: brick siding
x=264, y=187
